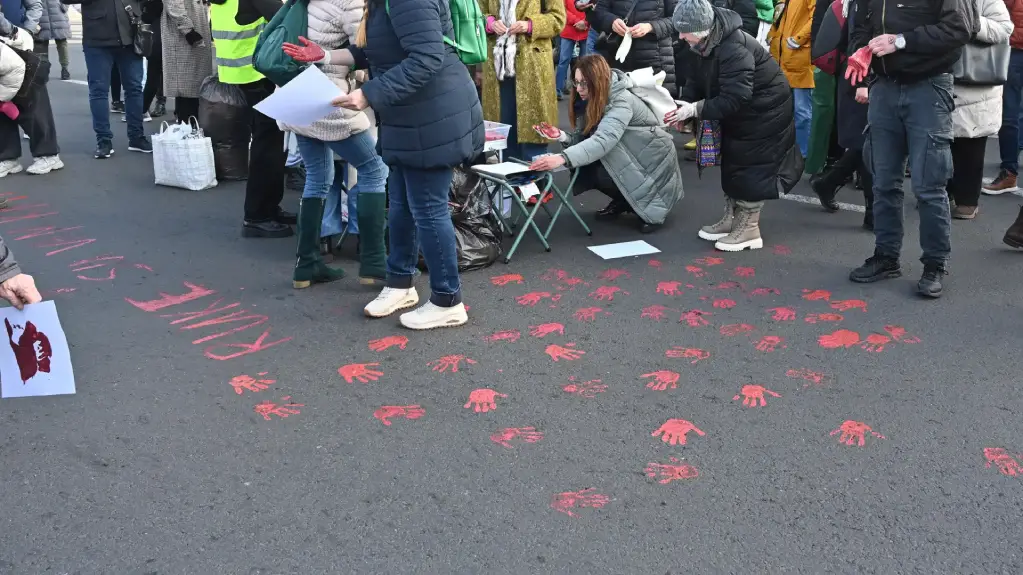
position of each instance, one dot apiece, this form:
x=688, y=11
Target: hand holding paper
x=302, y=101
x=353, y=101
x=20, y=290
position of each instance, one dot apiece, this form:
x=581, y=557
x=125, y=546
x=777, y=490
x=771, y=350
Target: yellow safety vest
x=234, y=44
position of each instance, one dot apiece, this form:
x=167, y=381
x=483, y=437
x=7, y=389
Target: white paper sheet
x=624, y=250
x=529, y=190
x=303, y=100
x=35, y=359
x=502, y=169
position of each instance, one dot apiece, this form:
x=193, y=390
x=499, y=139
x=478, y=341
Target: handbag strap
x=627, y=14
x=132, y=16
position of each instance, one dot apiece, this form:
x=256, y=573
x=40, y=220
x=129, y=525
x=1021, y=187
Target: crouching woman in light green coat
x=619, y=146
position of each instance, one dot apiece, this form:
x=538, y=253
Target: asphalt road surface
x=213, y=432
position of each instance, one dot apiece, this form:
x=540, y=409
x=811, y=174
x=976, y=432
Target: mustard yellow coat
x=794, y=22
x=535, y=98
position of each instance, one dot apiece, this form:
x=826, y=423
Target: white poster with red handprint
x=35, y=360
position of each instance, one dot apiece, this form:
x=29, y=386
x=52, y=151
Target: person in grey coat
x=15, y=287
x=620, y=148
x=187, y=53
x=54, y=25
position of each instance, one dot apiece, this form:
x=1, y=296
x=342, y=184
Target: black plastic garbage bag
x=477, y=231
x=224, y=117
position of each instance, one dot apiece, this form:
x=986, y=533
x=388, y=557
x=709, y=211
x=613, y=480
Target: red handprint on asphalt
x=587, y=313
x=606, y=293
x=770, y=343
x=669, y=288
x=449, y=362
x=674, y=470
x=506, y=279
x=554, y=274
x=854, y=432
x=765, y=291
x=848, y=304
x=674, y=431
x=588, y=389
x=709, y=261
x=655, y=263
x=753, y=395
x=483, y=400
x=613, y=274
x=745, y=272
x=696, y=271
x=840, y=338
x=817, y=294
x=526, y=434
x=360, y=372
x=724, y=303
x=661, y=380
x=572, y=282
x=686, y=352
x=1005, y=462
x=735, y=329
x=388, y=342
x=728, y=285
x=694, y=318
x=568, y=352
x=899, y=334
x=782, y=313
x=816, y=317
x=875, y=342
x=565, y=502
x=806, y=375
x=532, y=298
x=386, y=412
x=512, y=335
x=545, y=329
x=781, y=250
x=655, y=312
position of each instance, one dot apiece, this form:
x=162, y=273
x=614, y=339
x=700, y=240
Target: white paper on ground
x=624, y=250
x=502, y=169
x=529, y=190
x=303, y=100
x=42, y=363
x=623, y=50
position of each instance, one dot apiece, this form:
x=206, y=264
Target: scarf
x=505, y=47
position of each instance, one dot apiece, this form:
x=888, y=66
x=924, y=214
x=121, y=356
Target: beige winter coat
x=331, y=24
x=978, y=109
x=12, y=72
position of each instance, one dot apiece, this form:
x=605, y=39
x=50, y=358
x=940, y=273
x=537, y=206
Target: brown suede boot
x=745, y=229
x=1014, y=235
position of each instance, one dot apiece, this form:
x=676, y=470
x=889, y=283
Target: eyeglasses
x=579, y=84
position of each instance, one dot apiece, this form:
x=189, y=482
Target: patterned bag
x=709, y=144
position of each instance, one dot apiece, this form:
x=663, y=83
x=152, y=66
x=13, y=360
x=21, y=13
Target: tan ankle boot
x=745, y=231
x=722, y=227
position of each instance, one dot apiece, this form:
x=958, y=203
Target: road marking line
x=79, y=82
x=817, y=202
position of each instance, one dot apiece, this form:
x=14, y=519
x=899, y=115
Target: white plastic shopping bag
x=183, y=157
x=648, y=86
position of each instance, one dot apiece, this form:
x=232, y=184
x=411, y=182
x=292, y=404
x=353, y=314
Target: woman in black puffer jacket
x=649, y=23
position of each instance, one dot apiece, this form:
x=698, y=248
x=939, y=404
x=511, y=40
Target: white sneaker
x=146, y=117
x=391, y=300
x=431, y=316
x=10, y=167
x=45, y=165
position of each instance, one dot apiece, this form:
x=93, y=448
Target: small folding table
x=513, y=179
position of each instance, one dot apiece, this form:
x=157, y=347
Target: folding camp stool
x=547, y=188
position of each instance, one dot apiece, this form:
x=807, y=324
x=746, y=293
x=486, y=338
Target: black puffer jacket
x=653, y=50
x=743, y=88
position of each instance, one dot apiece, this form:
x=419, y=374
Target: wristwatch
x=900, y=42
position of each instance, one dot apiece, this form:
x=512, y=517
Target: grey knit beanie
x=692, y=16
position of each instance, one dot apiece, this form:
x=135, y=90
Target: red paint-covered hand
x=858, y=65
x=307, y=52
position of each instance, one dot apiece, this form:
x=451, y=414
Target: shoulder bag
x=141, y=33
x=607, y=42
x=982, y=64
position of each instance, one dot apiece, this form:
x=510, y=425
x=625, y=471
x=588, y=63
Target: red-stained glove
x=858, y=65
x=308, y=52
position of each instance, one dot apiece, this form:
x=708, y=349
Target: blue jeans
x=565, y=60
x=914, y=120
x=419, y=219
x=99, y=62
x=1009, y=142
x=332, y=224
x=509, y=115
x=591, y=40
x=359, y=151
x=803, y=100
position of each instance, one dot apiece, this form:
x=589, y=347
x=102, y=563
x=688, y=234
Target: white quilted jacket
x=331, y=24
x=978, y=110
x=12, y=72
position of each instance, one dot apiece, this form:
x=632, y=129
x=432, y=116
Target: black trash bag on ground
x=224, y=117
x=477, y=231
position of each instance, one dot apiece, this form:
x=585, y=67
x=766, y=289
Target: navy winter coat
x=429, y=112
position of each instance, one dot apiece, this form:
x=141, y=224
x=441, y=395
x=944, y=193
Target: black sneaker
x=876, y=268
x=104, y=150
x=285, y=217
x=160, y=109
x=65, y=74
x=930, y=282
x=269, y=229
x=141, y=145
x=117, y=107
